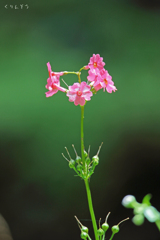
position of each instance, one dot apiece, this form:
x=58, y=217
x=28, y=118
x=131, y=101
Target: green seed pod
x=100, y=231
x=138, y=219
x=84, y=229
x=105, y=226
x=79, y=167
x=85, y=154
x=84, y=235
x=115, y=229
x=78, y=159
x=88, y=160
x=95, y=160
x=71, y=163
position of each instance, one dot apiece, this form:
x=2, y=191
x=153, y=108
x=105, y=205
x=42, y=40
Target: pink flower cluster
x=81, y=92
x=98, y=76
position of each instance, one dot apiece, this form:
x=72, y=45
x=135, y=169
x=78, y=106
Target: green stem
x=91, y=209
x=81, y=69
x=103, y=237
x=65, y=73
x=82, y=137
x=158, y=224
x=111, y=236
x=86, y=180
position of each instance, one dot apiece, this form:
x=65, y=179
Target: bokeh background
x=39, y=194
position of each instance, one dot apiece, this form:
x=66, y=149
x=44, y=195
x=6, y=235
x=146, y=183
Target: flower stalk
x=86, y=180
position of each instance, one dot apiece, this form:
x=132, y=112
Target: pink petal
x=79, y=100
x=51, y=92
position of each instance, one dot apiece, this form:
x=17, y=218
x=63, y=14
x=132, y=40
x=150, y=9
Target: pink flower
x=53, y=83
x=93, y=77
x=78, y=93
x=51, y=73
x=105, y=81
x=96, y=62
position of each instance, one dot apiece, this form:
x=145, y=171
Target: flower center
x=79, y=93
x=53, y=86
x=105, y=80
x=94, y=64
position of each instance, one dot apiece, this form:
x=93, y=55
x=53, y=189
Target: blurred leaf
x=146, y=199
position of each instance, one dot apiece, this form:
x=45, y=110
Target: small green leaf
x=146, y=199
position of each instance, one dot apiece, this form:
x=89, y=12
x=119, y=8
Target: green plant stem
x=82, y=137
x=91, y=209
x=111, y=236
x=158, y=224
x=65, y=73
x=86, y=180
x=103, y=237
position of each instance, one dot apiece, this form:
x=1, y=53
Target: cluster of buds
x=141, y=210
x=83, y=169
x=102, y=229
x=80, y=92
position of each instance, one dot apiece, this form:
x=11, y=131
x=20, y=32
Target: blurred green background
x=39, y=194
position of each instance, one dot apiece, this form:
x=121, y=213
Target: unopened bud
x=79, y=167
x=85, y=154
x=78, y=159
x=115, y=229
x=71, y=163
x=95, y=160
x=105, y=226
x=84, y=229
x=88, y=160
x=84, y=235
x=100, y=231
x=86, y=67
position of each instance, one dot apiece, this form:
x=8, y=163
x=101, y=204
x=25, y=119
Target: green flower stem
x=158, y=224
x=103, y=237
x=86, y=180
x=82, y=137
x=89, y=237
x=111, y=236
x=65, y=73
x=81, y=69
x=91, y=209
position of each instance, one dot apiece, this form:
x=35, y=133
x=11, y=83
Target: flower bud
x=100, y=231
x=71, y=163
x=138, y=219
x=88, y=160
x=115, y=229
x=105, y=226
x=78, y=159
x=86, y=67
x=85, y=154
x=79, y=167
x=84, y=235
x=84, y=229
x=95, y=160
x=128, y=201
